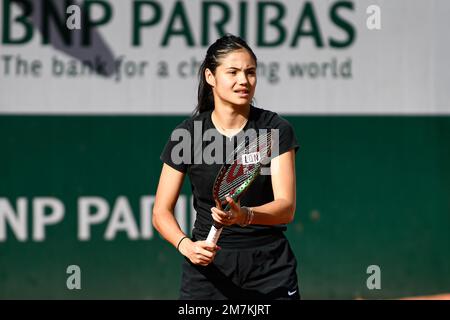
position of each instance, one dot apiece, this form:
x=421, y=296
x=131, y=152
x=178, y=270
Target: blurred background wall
x=85, y=113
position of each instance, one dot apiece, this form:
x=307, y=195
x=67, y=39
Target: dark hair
x=215, y=52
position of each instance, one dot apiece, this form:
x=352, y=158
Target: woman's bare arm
x=170, y=183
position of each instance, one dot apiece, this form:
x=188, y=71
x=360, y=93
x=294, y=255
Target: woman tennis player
x=252, y=258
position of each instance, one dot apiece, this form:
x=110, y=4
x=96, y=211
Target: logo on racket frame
x=251, y=158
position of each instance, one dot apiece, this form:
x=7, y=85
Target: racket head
x=242, y=166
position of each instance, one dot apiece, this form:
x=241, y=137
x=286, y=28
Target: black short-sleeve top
x=186, y=150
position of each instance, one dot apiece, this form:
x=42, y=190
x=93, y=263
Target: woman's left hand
x=227, y=218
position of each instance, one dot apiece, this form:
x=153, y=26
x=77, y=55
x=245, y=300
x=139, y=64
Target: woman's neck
x=230, y=117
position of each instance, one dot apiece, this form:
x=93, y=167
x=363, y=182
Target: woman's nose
x=242, y=79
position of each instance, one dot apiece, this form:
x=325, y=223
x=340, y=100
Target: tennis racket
x=240, y=169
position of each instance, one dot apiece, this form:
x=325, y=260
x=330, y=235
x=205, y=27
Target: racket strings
x=227, y=187
x=254, y=146
x=249, y=171
x=265, y=150
x=245, y=144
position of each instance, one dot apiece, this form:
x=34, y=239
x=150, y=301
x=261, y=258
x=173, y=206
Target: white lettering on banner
x=94, y=213
x=146, y=217
x=86, y=218
x=16, y=220
x=41, y=220
x=122, y=220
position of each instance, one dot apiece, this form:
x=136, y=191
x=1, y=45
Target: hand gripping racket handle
x=216, y=230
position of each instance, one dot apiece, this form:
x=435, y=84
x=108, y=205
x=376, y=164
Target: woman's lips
x=242, y=93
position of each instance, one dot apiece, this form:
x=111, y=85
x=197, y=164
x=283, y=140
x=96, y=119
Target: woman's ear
x=210, y=79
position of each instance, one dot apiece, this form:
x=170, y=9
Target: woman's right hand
x=198, y=252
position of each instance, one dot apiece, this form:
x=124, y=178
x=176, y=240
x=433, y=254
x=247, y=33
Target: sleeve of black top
x=173, y=153
x=287, y=137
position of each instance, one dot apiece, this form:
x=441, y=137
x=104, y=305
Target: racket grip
x=216, y=229
x=214, y=233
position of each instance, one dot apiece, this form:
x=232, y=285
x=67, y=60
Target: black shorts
x=265, y=272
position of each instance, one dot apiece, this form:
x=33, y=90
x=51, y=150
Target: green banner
x=76, y=195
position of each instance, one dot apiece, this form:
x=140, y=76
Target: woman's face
x=234, y=81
